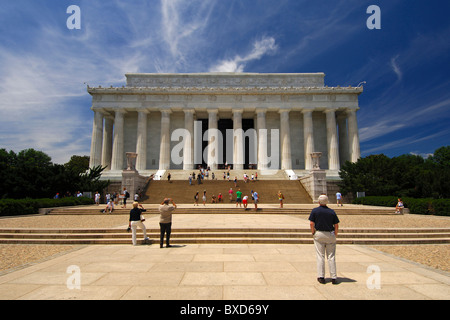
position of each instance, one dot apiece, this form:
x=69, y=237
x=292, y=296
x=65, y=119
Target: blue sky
x=405, y=107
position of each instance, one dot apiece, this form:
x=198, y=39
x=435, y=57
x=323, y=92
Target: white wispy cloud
x=183, y=24
x=395, y=67
x=408, y=141
x=260, y=48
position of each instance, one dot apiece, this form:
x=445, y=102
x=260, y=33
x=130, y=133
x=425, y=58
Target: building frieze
x=224, y=90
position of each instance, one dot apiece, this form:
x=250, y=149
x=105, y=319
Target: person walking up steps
x=196, y=199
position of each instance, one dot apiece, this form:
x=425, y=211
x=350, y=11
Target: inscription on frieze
x=225, y=80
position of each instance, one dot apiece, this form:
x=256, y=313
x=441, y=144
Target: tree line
x=31, y=174
x=403, y=176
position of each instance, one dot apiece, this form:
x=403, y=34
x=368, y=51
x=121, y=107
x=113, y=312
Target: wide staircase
x=183, y=192
x=224, y=235
x=183, y=236
x=297, y=202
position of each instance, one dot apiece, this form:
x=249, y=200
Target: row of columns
x=111, y=133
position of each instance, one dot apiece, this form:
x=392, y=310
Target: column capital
x=239, y=111
x=166, y=112
x=259, y=111
x=349, y=110
x=212, y=111
x=189, y=111
x=284, y=111
x=119, y=110
x=329, y=110
x=307, y=110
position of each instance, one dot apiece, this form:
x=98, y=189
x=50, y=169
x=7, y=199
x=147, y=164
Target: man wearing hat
x=165, y=221
x=324, y=225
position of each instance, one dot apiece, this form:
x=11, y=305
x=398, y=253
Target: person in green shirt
x=239, y=198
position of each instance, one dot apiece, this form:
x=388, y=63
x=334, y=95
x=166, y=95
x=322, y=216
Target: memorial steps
x=226, y=234
x=180, y=236
x=182, y=192
x=297, y=202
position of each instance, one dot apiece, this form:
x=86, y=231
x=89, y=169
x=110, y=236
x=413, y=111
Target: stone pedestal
x=131, y=179
x=318, y=184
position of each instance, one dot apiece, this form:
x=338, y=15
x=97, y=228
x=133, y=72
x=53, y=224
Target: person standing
x=204, y=198
x=97, y=198
x=230, y=194
x=339, y=199
x=255, y=196
x=136, y=220
x=196, y=199
x=165, y=221
x=239, y=198
x=324, y=225
x=280, y=198
x=126, y=195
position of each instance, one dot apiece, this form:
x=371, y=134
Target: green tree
x=31, y=174
x=405, y=175
x=441, y=157
x=78, y=164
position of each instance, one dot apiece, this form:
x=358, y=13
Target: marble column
x=213, y=139
x=164, y=153
x=262, y=139
x=188, y=151
x=353, y=136
x=308, y=133
x=97, y=140
x=141, y=143
x=107, y=142
x=117, y=151
x=238, y=140
x=332, y=140
x=285, y=135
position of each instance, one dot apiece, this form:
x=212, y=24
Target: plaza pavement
x=222, y=271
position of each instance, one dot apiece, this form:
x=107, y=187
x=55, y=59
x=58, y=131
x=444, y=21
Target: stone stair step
x=226, y=210
x=224, y=235
x=283, y=240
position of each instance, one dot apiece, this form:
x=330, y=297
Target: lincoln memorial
x=265, y=122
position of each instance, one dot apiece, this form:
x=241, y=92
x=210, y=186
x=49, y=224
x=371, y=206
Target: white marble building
x=300, y=114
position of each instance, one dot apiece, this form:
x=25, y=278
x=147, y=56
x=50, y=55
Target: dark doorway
x=224, y=157
x=199, y=160
x=223, y=125
x=246, y=125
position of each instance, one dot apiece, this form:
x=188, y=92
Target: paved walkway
x=222, y=272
